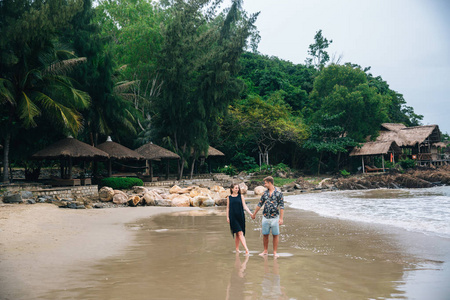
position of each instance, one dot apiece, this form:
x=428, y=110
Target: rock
x=217, y=188
x=198, y=200
x=175, y=189
x=259, y=190
x=31, y=201
x=81, y=206
x=106, y=194
x=243, y=187
x=181, y=201
x=221, y=202
x=26, y=195
x=208, y=203
x=134, y=200
x=150, y=197
x=41, y=200
x=163, y=202
x=72, y=205
x=13, y=198
x=224, y=193
x=184, y=191
x=99, y=205
x=120, y=198
x=140, y=189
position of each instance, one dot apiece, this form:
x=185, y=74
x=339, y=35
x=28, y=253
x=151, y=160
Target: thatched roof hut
x=118, y=151
x=376, y=148
x=410, y=136
x=214, y=152
x=70, y=148
x=151, y=151
x=392, y=126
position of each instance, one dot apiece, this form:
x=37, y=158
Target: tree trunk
x=6, y=157
x=192, y=168
x=318, y=165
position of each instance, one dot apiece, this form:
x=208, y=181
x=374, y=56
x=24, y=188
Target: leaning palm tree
x=39, y=87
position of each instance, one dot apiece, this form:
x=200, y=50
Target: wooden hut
x=118, y=152
x=416, y=141
x=66, y=150
x=152, y=152
x=381, y=148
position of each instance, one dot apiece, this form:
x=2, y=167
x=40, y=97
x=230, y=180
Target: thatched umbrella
x=154, y=152
x=214, y=152
x=67, y=149
x=119, y=152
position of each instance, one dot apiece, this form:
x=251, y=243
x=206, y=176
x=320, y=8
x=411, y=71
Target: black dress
x=236, y=214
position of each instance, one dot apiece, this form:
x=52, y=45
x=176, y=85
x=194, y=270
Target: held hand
x=280, y=221
x=253, y=216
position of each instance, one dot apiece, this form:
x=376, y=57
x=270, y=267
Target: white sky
x=406, y=42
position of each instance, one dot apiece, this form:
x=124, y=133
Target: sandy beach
x=41, y=245
x=170, y=253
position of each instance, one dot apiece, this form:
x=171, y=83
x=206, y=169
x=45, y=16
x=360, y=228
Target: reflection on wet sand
x=191, y=257
x=271, y=286
x=236, y=286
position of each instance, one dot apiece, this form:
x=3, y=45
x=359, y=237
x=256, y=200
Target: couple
x=273, y=202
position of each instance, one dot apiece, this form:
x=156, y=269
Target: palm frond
x=28, y=110
x=64, y=66
x=124, y=85
x=6, y=92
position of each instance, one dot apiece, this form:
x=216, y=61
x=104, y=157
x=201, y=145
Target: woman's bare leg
x=236, y=242
x=241, y=236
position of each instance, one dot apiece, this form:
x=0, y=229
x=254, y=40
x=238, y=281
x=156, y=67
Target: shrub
x=344, y=173
x=230, y=170
x=243, y=162
x=407, y=163
x=121, y=183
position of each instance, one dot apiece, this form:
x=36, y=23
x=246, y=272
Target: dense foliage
x=185, y=75
x=121, y=183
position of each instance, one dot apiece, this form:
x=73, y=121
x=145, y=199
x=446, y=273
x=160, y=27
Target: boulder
x=134, y=200
x=140, y=190
x=175, y=189
x=221, y=202
x=198, y=200
x=150, y=197
x=106, y=194
x=259, y=190
x=224, y=193
x=120, y=198
x=163, y=202
x=217, y=188
x=172, y=196
x=14, y=198
x=181, y=201
x=184, y=191
x=208, y=203
x=243, y=187
x=27, y=195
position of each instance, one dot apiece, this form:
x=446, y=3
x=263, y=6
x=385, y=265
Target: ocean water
x=418, y=210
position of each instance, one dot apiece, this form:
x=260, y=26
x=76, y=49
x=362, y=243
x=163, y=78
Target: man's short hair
x=269, y=179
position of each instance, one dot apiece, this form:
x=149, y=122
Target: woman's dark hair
x=232, y=186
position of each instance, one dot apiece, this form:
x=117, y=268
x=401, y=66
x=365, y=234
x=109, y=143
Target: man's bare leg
x=275, y=246
x=265, y=244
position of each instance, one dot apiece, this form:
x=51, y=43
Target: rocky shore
x=203, y=196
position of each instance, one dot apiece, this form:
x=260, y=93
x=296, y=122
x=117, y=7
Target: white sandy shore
x=41, y=243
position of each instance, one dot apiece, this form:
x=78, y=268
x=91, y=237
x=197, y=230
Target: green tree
x=325, y=137
x=33, y=84
x=198, y=64
x=109, y=113
x=319, y=57
x=268, y=123
x=344, y=91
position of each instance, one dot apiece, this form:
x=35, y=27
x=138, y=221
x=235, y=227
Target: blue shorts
x=268, y=224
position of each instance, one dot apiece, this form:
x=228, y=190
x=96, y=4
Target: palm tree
x=39, y=88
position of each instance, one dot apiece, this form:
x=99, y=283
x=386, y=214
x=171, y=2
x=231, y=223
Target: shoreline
x=41, y=244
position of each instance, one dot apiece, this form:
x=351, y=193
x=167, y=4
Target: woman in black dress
x=235, y=216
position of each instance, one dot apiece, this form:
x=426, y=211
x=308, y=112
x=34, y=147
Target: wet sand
x=43, y=247
x=189, y=255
